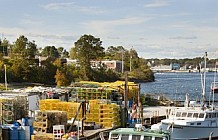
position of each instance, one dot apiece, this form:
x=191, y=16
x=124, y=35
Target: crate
x=58, y=131
x=40, y=124
x=103, y=111
x=108, y=120
x=41, y=130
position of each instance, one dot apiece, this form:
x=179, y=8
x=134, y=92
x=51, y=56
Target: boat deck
x=94, y=134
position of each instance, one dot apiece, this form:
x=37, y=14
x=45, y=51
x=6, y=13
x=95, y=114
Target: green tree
x=47, y=72
x=2, y=71
x=4, y=45
x=18, y=49
x=87, y=48
x=20, y=70
x=50, y=51
x=115, y=53
x=65, y=54
x=62, y=52
x=31, y=49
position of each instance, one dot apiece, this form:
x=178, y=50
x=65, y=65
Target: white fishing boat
x=194, y=121
x=138, y=133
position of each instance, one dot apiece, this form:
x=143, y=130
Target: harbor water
x=175, y=86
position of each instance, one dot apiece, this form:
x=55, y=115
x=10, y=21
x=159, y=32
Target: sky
x=154, y=28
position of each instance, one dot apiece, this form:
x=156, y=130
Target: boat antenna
x=204, y=79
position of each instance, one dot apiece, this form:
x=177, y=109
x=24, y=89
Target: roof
x=146, y=132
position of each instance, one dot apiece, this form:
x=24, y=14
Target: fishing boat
x=138, y=133
x=194, y=121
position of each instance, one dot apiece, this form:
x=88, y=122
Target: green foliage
x=31, y=49
x=23, y=48
x=62, y=52
x=87, y=48
x=50, y=51
x=4, y=45
x=115, y=53
x=18, y=49
x=101, y=75
x=23, y=67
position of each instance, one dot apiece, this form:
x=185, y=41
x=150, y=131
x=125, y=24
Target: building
x=115, y=65
x=161, y=68
x=175, y=66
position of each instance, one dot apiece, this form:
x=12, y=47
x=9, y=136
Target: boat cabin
x=134, y=134
x=194, y=117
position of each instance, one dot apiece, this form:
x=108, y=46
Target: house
x=115, y=65
x=175, y=66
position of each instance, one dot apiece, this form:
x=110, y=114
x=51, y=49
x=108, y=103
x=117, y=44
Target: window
x=147, y=138
x=191, y=123
x=198, y=123
x=201, y=115
x=178, y=114
x=125, y=137
x=195, y=115
x=158, y=138
x=189, y=115
x=114, y=136
x=136, y=137
x=184, y=114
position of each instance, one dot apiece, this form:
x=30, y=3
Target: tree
x=50, y=51
x=62, y=52
x=87, y=48
x=61, y=78
x=24, y=48
x=31, y=49
x=4, y=45
x=20, y=70
x=115, y=53
x=2, y=71
x=19, y=47
x=65, y=54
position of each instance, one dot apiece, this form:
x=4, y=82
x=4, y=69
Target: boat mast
x=214, y=84
x=204, y=80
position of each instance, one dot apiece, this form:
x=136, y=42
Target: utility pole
x=130, y=67
x=122, y=63
x=126, y=90
x=130, y=61
x=125, y=109
x=6, y=84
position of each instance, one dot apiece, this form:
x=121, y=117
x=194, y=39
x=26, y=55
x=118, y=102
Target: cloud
x=183, y=37
x=55, y=37
x=32, y=22
x=156, y=4
x=73, y=6
x=57, y=6
x=108, y=26
x=113, y=37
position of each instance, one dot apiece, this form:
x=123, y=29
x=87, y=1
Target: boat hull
x=179, y=132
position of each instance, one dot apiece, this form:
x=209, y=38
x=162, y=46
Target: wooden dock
x=154, y=114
